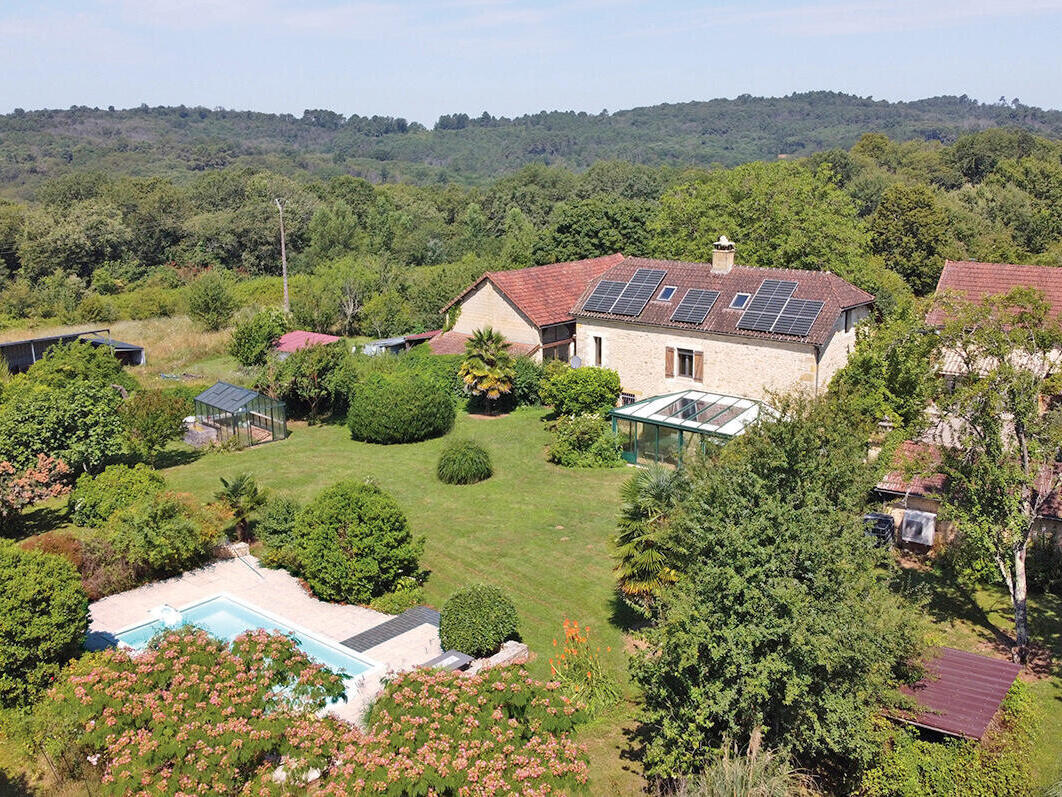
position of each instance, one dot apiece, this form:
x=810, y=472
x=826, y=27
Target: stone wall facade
x=486, y=306
x=647, y=358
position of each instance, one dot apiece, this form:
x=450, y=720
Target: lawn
x=540, y=532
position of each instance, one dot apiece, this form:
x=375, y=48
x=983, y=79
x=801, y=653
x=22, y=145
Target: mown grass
x=540, y=532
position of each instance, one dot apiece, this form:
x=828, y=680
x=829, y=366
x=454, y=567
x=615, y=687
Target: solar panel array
x=773, y=309
x=695, y=306
x=797, y=317
x=764, y=308
x=638, y=291
x=604, y=296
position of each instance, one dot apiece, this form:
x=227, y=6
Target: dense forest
x=98, y=244
x=180, y=142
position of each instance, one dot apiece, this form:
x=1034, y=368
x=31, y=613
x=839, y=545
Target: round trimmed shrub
x=402, y=406
x=476, y=620
x=464, y=462
x=95, y=498
x=43, y=619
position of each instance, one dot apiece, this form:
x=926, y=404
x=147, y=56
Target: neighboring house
x=668, y=326
x=911, y=493
x=297, y=339
x=531, y=307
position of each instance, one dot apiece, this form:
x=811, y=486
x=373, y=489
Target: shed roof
x=545, y=294
x=229, y=398
x=975, y=281
x=914, y=471
x=300, y=339
x=454, y=343
x=722, y=318
x=961, y=692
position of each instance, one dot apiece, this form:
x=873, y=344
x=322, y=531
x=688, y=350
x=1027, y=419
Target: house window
x=626, y=398
x=666, y=294
x=740, y=300
x=847, y=320
x=685, y=363
x=597, y=351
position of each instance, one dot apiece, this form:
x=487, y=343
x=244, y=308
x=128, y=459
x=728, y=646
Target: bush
x=999, y=764
x=210, y=301
x=152, y=419
x=580, y=391
x=464, y=462
x=161, y=535
x=585, y=441
x=527, y=377
x=79, y=362
x=253, y=340
x=477, y=619
x=43, y=619
x=354, y=543
x=95, y=498
x=399, y=407
x=406, y=595
x=276, y=523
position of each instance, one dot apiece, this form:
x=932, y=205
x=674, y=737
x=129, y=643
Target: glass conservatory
x=232, y=411
x=663, y=428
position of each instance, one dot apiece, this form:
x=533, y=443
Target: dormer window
x=666, y=293
x=740, y=300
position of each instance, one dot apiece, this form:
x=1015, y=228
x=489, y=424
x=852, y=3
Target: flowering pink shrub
x=192, y=715
x=19, y=489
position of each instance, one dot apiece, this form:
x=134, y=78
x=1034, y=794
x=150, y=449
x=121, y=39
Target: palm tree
x=645, y=568
x=488, y=366
x=242, y=495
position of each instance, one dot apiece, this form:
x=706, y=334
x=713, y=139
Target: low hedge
x=477, y=619
x=464, y=462
x=402, y=406
x=585, y=441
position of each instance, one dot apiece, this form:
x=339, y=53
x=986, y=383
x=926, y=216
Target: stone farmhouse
x=668, y=326
x=531, y=307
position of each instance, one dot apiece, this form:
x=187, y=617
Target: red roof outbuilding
x=975, y=281
x=960, y=694
x=300, y=339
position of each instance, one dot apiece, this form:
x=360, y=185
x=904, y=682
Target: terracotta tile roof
x=454, y=343
x=300, y=339
x=911, y=462
x=546, y=294
x=976, y=280
x=961, y=692
x=823, y=286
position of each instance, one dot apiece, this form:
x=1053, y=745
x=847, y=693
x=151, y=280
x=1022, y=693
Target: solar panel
x=604, y=296
x=764, y=308
x=638, y=291
x=797, y=317
x=695, y=306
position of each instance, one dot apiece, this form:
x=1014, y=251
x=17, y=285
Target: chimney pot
x=722, y=255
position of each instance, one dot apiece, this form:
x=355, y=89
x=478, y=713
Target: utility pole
x=283, y=256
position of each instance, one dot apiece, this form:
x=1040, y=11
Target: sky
x=422, y=58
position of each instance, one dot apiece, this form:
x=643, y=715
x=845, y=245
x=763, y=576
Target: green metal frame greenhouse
x=663, y=428
x=241, y=413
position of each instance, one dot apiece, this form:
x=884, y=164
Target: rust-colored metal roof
x=454, y=343
x=961, y=692
x=545, y=294
x=975, y=281
x=915, y=471
x=836, y=294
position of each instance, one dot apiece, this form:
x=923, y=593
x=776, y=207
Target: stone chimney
x=722, y=255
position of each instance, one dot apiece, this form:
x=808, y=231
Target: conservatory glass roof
x=695, y=410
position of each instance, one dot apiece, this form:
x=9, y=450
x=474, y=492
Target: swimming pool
x=226, y=618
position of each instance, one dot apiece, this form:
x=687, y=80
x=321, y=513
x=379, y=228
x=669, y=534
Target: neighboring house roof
x=300, y=339
x=836, y=294
x=911, y=462
x=422, y=336
x=545, y=294
x=454, y=343
x=961, y=692
x=975, y=281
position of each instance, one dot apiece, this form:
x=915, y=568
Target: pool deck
x=278, y=592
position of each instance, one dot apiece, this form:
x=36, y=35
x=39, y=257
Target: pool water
x=226, y=619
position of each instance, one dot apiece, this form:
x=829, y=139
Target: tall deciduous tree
x=488, y=368
x=911, y=231
x=999, y=447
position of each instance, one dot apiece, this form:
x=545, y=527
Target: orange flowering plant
x=579, y=671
